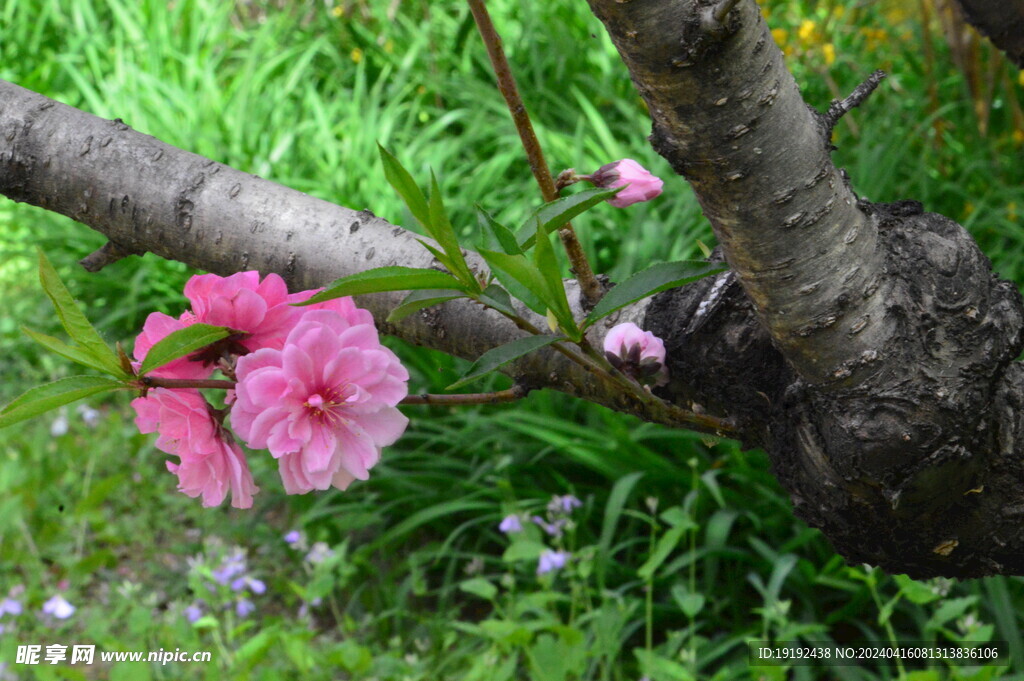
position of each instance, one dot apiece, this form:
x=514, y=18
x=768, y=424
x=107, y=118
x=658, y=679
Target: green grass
x=422, y=585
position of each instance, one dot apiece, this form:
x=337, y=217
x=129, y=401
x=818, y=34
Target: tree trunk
x=867, y=347
x=1002, y=21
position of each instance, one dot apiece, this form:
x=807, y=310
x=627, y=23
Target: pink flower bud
x=636, y=353
x=639, y=184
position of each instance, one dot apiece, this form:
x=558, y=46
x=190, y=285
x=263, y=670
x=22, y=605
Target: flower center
x=315, y=402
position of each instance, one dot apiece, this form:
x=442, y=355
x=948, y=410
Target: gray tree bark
x=1002, y=21
x=868, y=347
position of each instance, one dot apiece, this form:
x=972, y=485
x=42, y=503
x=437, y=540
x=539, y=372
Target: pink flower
x=640, y=185
x=637, y=353
x=211, y=462
x=259, y=309
x=324, y=405
x=157, y=326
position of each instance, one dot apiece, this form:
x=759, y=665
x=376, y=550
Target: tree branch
x=147, y=196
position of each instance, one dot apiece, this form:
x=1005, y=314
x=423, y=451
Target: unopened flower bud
x=640, y=185
x=636, y=353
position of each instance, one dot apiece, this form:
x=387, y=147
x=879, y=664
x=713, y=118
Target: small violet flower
x=554, y=528
x=231, y=566
x=564, y=504
x=244, y=607
x=551, y=561
x=293, y=537
x=90, y=416
x=319, y=553
x=10, y=606
x=58, y=607
x=510, y=524
x=60, y=424
x=193, y=612
x=256, y=586
x=637, y=353
x=640, y=185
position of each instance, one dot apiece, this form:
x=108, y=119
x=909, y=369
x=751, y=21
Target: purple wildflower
x=551, y=560
x=58, y=607
x=563, y=504
x=319, y=553
x=554, y=528
x=193, y=612
x=232, y=565
x=510, y=524
x=244, y=607
x=10, y=606
x=293, y=537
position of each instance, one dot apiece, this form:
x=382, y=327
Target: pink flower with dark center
x=637, y=353
x=211, y=463
x=324, y=405
x=640, y=184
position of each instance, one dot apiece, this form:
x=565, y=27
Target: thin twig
x=840, y=107
x=106, y=254
x=591, y=287
x=514, y=393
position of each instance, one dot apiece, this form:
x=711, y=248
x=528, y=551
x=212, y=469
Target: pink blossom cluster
x=314, y=386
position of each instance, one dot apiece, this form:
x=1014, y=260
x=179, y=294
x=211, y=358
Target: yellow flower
x=806, y=31
x=1020, y=77
x=389, y=46
x=1018, y=136
x=338, y=11
x=1011, y=211
x=356, y=54
x=780, y=35
x=829, y=50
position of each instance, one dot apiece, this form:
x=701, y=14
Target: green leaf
x=502, y=355
x=418, y=300
x=690, y=603
x=502, y=234
x=180, y=343
x=444, y=234
x=665, y=545
x=496, y=297
x=654, y=279
x=385, y=279
x=440, y=255
x=612, y=512
x=547, y=264
x=560, y=211
x=479, y=586
x=523, y=549
x=399, y=178
x=72, y=318
x=521, y=277
x=43, y=398
x=72, y=352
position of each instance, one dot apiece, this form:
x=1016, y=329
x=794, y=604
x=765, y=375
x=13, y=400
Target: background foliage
x=684, y=548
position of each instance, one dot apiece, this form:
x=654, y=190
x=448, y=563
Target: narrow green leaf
x=654, y=279
x=662, y=549
x=502, y=234
x=520, y=277
x=523, y=549
x=399, y=178
x=444, y=234
x=560, y=211
x=385, y=279
x=612, y=512
x=439, y=255
x=72, y=318
x=502, y=355
x=72, y=352
x=419, y=300
x=498, y=298
x=43, y=398
x=180, y=343
x=547, y=265
x=479, y=586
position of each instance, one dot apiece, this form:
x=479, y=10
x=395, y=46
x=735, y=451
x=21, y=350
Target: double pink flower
x=315, y=386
